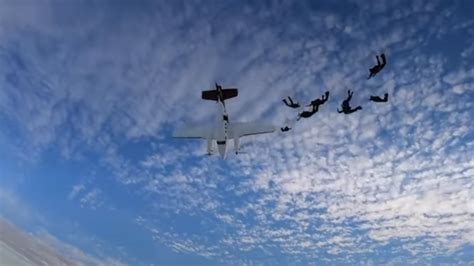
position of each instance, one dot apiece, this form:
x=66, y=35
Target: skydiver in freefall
x=316, y=103
x=290, y=103
x=346, y=108
x=288, y=125
x=284, y=129
x=376, y=69
x=315, y=106
x=377, y=99
x=306, y=114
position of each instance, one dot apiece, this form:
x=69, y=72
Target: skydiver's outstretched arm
x=327, y=95
x=340, y=111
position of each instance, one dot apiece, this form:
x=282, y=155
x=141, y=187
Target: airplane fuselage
x=222, y=129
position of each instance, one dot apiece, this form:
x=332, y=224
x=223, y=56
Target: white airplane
x=223, y=130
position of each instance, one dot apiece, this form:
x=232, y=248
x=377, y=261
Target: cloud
x=76, y=190
x=395, y=176
x=39, y=246
x=88, y=197
x=73, y=253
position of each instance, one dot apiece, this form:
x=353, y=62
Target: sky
x=91, y=92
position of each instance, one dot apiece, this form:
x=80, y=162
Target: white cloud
x=76, y=190
x=92, y=199
x=39, y=246
x=400, y=171
x=73, y=253
x=87, y=197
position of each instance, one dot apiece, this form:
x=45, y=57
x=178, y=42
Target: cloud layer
x=394, y=178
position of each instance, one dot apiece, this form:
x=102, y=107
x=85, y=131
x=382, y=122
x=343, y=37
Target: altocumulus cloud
x=394, y=178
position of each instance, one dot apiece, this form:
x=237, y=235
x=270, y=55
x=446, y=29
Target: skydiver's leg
x=291, y=100
x=384, y=60
x=287, y=104
x=349, y=96
x=293, y=104
x=378, y=61
x=305, y=114
x=350, y=111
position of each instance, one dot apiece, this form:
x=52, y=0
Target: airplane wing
x=202, y=132
x=241, y=129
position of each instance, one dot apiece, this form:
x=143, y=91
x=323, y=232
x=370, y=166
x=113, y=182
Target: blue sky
x=91, y=91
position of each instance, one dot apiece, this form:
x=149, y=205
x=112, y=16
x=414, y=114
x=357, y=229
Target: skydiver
x=376, y=69
x=316, y=103
x=377, y=99
x=306, y=114
x=346, y=108
x=284, y=129
x=291, y=103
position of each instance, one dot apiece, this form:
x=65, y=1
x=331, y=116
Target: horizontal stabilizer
x=226, y=94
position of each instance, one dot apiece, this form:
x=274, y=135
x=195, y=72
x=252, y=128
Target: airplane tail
x=226, y=94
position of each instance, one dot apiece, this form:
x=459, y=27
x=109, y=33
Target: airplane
x=223, y=130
